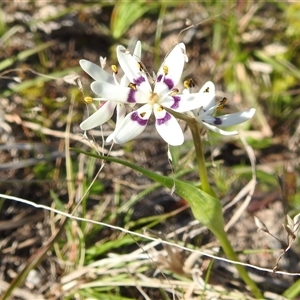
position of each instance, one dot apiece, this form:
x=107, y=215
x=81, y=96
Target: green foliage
x=3, y=27
x=126, y=13
x=24, y=55
x=292, y=15
x=223, y=179
x=260, y=143
x=37, y=81
x=293, y=291
x=43, y=171
x=206, y=209
x=106, y=247
x=97, y=188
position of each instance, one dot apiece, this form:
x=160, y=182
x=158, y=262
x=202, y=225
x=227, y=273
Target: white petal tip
x=251, y=112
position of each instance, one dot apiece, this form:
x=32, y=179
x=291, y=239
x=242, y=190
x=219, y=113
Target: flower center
x=153, y=98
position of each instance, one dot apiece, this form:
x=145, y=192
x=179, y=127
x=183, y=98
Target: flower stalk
x=219, y=233
x=195, y=130
x=230, y=254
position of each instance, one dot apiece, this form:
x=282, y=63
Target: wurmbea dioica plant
x=161, y=97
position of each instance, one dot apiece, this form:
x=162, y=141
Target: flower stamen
x=140, y=66
x=165, y=69
x=160, y=108
x=114, y=69
x=189, y=83
x=174, y=92
x=132, y=85
x=88, y=100
x=221, y=104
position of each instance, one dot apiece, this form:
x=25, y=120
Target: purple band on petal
x=175, y=105
x=163, y=120
x=135, y=117
x=217, y=121
x=139, y=80
x=159, y=77
x=131, y=96
x=169, y=83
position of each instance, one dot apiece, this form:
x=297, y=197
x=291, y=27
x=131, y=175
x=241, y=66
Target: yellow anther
x=174, y=92
x=165, y=69
x=132, y=86
x=114, y=69
x=160, y=108
x=189, y=83
x=140, y=66
x=222, y=104
x=88, y=100
x=143, y=114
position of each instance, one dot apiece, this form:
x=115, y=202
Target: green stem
x=230, y=254
x=220, y=234
x=194, y=127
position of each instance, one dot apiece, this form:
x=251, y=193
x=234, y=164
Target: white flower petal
x=168, y=127
x=133, y=124
x=131, y=69
x=110, y=137
x=95, y=71
x=137, y=53
x=128, y=64
x=124, y=81
x=102, y=115
x=205, y=113
x=182, y=103
x=191, y=101
x=162, y=89
x=231, y=119
x=174, y=63
x=118, y=93
x=207, y=95
x=121, y=112
x=218, y=130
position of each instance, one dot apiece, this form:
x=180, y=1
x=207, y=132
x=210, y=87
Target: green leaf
x=205, y=208
x=125, y=14
x=25, y=54
x=293, y=291
x=37, y=81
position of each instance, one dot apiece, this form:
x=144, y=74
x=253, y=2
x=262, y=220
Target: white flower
x=105, y=112
x=208, y=106
x=163, y=94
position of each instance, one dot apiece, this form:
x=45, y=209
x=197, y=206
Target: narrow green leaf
x=125, y=14
x=19, y=87
x=206, y=208
x=293, y=291
x=24, y=54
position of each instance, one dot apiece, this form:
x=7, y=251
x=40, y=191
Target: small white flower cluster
x=135, y=88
